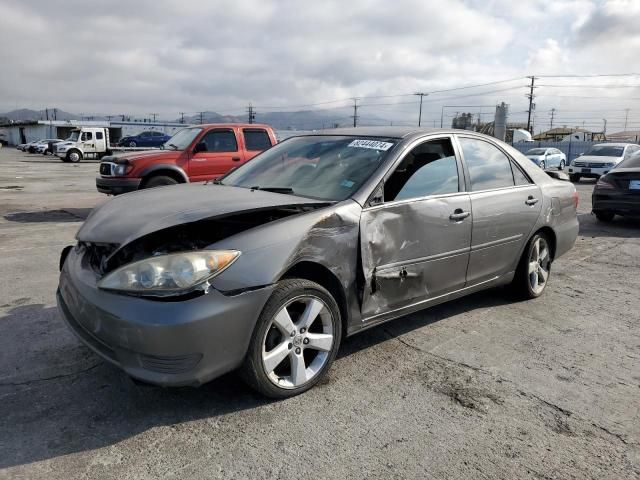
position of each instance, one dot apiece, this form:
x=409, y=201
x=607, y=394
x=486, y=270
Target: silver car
x=547, y=157
x=318, y=238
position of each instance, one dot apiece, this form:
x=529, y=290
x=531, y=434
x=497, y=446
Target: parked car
x=44, y=146
x=21, y=146
x=600, y=159
x=618, y=192
x=318, y=238
x=30, y=146
x=193, y=154
x=144, y=139
x=547, y=157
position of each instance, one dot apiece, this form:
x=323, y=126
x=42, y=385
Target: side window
x=220, y=141
x=428, y=169
x=86, y=136
x=256, y=139
x=99, y=136
x=488, y=166
x=518, y=175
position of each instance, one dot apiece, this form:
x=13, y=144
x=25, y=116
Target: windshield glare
x=536, y=151
x=323, y=167
x=74, y=136
x=605, y=151
x=182, y=139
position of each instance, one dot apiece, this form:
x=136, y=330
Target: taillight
x=604, y=185
x=575, y=199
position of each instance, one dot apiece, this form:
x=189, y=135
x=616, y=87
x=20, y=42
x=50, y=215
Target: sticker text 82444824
x=373, y=144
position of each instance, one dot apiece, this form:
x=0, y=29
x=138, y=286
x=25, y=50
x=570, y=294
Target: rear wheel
x=604, y=216
x=543, y=165
x=532, y=274
x=561, y=167
x=295, y=340
x=574, y=177
x=159, y=181
x=132, y=143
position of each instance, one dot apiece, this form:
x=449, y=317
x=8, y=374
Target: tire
x=73, y=156
x=543, y=165
x=271, y=343
x=523, y=284
x=46, y=152
x=574, y=177
x=561, y=166
x=159, y=181
x=133, y=144
x=604, y=216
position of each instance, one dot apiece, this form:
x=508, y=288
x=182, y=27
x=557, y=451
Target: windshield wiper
x=274, y=189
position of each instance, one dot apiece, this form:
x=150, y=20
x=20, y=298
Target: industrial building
x=23, y=132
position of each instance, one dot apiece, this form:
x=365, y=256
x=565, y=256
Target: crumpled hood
x=133, y=215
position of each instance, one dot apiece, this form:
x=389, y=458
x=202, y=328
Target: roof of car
x=233, y=125
x=389, y=132
x=621, y=144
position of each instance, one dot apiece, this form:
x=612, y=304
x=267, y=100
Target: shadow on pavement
x=620, y=227
x=54, y=216
x=59, y=398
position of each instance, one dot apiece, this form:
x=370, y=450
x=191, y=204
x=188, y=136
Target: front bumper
x=591, y=173
x=117, y=185
x=616, y=202
x=175, y=343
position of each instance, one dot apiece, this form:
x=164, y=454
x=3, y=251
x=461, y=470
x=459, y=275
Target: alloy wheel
x=297, y=343
x=539, y=265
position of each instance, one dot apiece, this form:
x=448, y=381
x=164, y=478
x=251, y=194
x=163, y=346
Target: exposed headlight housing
x=171, y=274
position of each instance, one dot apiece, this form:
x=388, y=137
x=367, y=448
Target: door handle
x=459, y=214
x=235, y=159
x=531, y=200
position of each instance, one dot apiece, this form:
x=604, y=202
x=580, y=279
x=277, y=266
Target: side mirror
x=200, y=147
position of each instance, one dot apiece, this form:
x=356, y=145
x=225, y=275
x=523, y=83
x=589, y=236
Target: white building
x=15, y=133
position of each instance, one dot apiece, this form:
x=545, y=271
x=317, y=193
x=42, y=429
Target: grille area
x=589, y=165
x=170, y=364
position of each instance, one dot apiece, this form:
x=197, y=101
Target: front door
x=415, y=241
x=220, y=154
x=506, y=205
x=87, y=142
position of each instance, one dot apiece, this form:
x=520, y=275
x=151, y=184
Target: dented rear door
x=413, y=251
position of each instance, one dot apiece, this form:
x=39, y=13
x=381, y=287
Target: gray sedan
x=318, y=238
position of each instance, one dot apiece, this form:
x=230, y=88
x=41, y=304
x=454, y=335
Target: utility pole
x=122, y=115
x=604, y=130
x=626, y=117
x=181, y=117
x=109, y=117
x=553, y=113
x=420, y=94
x=201, y=117
x=251, y=113
x=55, y=113
x=47, y=113
x=355, y=112
x=530, y=96
x=154, y=115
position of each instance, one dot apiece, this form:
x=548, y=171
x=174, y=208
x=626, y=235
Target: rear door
x=505, y=203
x=415, y=238
x=220, y=154
x=256, y=140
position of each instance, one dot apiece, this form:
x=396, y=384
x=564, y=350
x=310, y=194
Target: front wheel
x=132, y=144
x=295, y=340
x=74, y=156
x=159, y=181
x=543, y=165
x=574, y=177
x=532, y=274
x=561, y=166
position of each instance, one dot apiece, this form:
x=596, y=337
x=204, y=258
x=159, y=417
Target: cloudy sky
x=166, y=57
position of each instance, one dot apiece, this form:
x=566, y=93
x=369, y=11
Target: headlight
x=170, y=274
x=120, y=170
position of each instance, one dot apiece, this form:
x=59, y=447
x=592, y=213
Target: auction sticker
x=373, y=144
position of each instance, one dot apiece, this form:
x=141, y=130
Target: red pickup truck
x=195, y=154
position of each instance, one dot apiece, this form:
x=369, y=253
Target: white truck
x=84, y=142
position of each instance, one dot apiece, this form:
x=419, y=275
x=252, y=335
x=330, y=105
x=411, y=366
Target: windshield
x=324, y=167
x=605, y=151
x=536, y=151
x=631, y=162
x=182, y=139
x=75, y=134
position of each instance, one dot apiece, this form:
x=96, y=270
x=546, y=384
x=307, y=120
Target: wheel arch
x=551, y=236
x=321, y=275
x=169, y=170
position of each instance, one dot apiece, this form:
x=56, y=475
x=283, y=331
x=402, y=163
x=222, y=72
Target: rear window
x=256, y=139
x=631, y=162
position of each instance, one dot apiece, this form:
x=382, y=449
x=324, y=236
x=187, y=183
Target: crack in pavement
x=551, y=405
x=55, y=377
